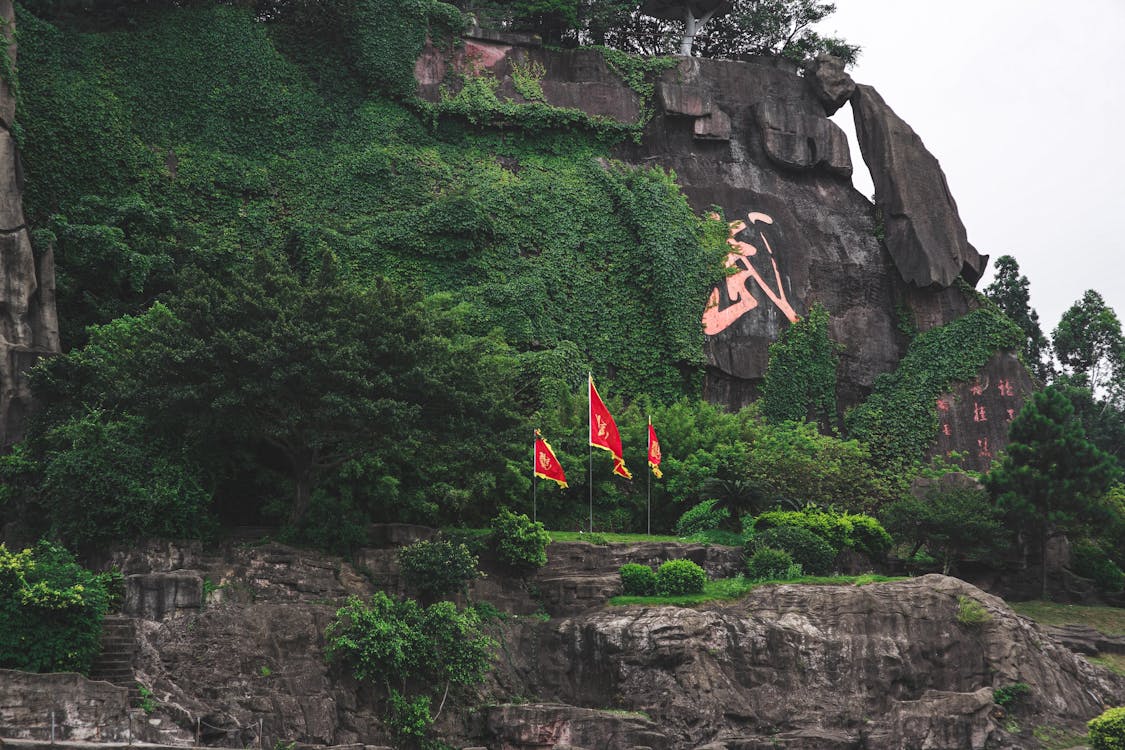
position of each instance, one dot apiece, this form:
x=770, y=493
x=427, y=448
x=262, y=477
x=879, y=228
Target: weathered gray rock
x=28, y=323
x=924, y=233
x=830, y=82
x=78, y=708
x=885, y=665
x=562, y=726
x=154, y=596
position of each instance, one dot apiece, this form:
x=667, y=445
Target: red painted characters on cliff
x=733, y=299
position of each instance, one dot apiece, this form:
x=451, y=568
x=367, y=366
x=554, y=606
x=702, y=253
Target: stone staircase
x=115, y=662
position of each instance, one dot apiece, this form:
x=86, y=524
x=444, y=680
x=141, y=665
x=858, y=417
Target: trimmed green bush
x=1090, y=561
x=1107, y=732
x=638, y=580
x=519, y=542
x=702, y=517
x=437, y=569
x=810, y=551
x=51, y=610
x=677, y=577
x=852, y=530
x=769, y=563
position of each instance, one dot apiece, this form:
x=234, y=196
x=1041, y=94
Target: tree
x=1089, y=345
x=305, y=375
x=954, y=521
x=773, y=27
x=1052, y=476
x=1010, y=291
x=694, y=13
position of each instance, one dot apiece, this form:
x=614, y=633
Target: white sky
x=1023, y=103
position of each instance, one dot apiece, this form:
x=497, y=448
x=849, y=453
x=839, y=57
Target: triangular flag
x=547, y=466
x=653, y=451
x=603, y=431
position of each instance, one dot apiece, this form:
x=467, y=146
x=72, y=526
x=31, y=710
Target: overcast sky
x=1023, y=103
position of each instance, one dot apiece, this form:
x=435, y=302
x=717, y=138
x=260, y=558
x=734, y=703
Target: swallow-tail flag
x=653, y=451
x=603, y=432
x=547, y=465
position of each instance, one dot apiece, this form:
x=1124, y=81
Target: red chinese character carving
x=946, y=429
x=1011, y=414
x=942, y=404
x=982, y=444
x=1005, y=388
x=978, y=413
x=976, y=388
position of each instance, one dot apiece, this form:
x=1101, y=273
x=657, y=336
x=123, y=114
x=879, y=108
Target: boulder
x=924, y=233
x=830, y=83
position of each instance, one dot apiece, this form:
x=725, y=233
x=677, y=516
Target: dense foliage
x=806, y=548
x=439, y=568
x=416, y=654
x=767, y=563
x=841, y=530
x=1052, y=477
x=702, y=517
x=51, y=610
x=800, y=382
x=518, y=541
x=899, y=420
x=1010, y=291
x=1107, y=731
x=677, y=577
x=637, y=580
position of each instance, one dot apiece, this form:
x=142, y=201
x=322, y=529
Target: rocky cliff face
x=754, y=140
x=29, y=327
x=799, y=667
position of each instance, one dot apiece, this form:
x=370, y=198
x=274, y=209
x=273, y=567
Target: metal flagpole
x=590, y=431
x=648, y=474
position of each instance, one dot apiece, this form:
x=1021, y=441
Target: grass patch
x=1108, y=620
x=1058, y=738
x=1113, y=662
x=725, y=589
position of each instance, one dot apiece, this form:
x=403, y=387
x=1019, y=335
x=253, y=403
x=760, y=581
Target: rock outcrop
x=753, y=139
x=29, y=327
x=878, y=666
x=800, y=667
x=924, y=232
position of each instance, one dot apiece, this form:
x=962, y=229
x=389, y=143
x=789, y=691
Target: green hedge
x=1107, y=732
x=677, y=577
x=638, y=580
x=841, y=530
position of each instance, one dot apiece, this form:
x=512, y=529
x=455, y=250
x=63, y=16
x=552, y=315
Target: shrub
x=1090, y=561
x=437, y=569
x=702, y=517
x=971, y=612
x=1009, y=696
x=1107, y=732
x=676, y=577
x=415, y=653
x=51, y=610
x=769, y=563
x=853, y=530
x=519, y=541
x=638, y=580
x=811, y=552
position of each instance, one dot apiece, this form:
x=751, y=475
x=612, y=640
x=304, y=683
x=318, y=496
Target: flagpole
x=590, y=431
x=534, y=484
x=648, y=474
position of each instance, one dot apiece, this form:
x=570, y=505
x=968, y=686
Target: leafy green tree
x=1090, y=346
x=309, y=376
x=772, y=27
x=1052, y=475
x=954, y=523
x=415, y=654
x=1011, y=293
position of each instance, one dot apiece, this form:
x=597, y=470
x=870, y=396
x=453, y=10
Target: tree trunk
x=302, y=484
x=1043, y=562
x=690, y=28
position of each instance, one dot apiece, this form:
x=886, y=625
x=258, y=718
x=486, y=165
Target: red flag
x=653, y=451
x=547, y=466
x=603, y=432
